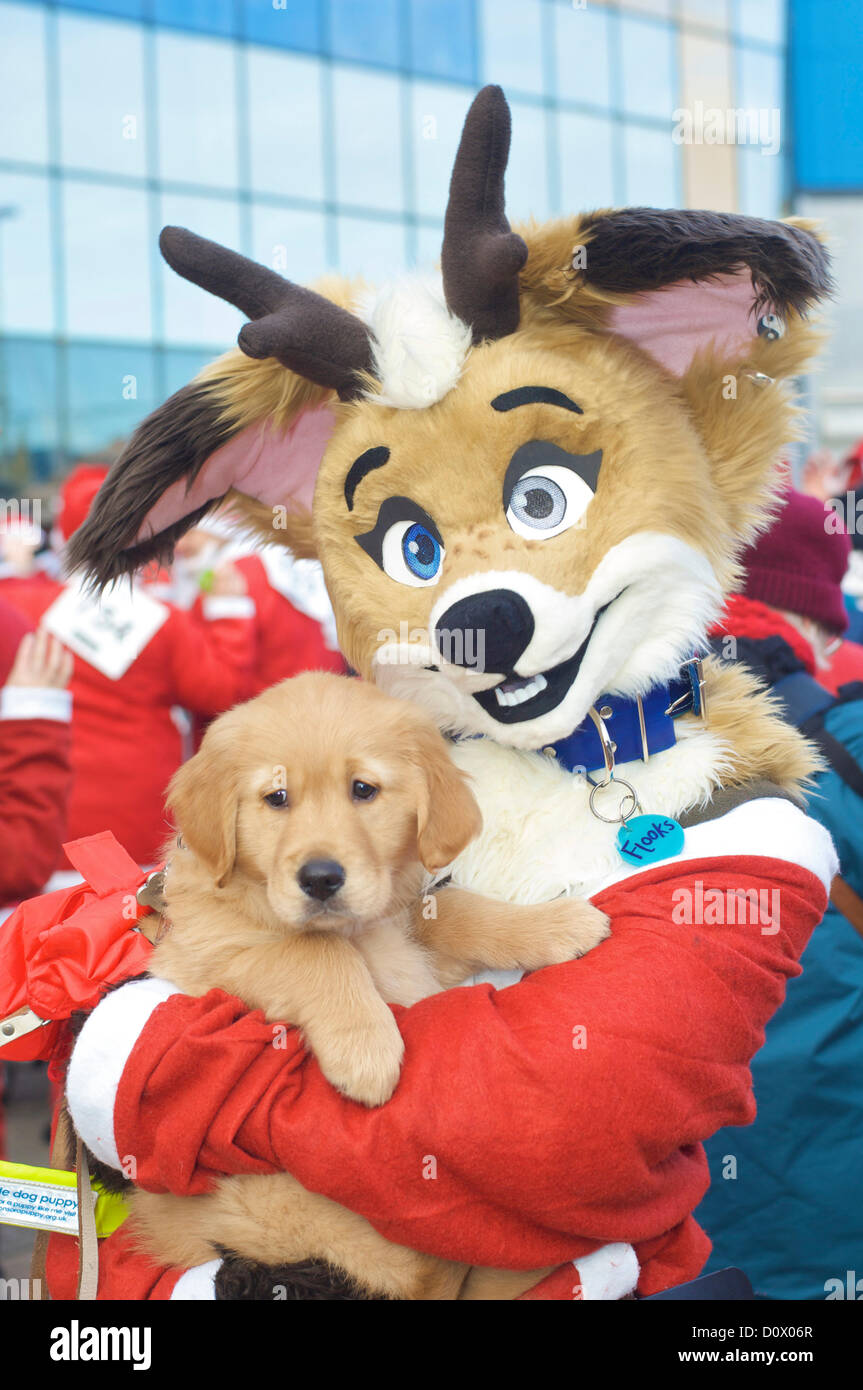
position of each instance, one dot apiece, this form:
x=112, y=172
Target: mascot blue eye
x=406, y=543
x=421, y=551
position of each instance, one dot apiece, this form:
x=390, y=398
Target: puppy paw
x=364, y=1063
x=560, y=931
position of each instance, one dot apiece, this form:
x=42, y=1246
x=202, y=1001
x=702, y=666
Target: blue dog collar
x=639, y=726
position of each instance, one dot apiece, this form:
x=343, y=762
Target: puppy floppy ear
x=202, y=798
x=448, y=817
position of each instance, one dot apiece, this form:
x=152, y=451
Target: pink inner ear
x=275, y=466
x=673, y=323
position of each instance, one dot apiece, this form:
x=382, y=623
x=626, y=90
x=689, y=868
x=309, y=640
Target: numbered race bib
x=109, y=630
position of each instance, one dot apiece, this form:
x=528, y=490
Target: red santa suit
x=136, y=658
x=566, y=1113
x=35, y=773
x=294, y=625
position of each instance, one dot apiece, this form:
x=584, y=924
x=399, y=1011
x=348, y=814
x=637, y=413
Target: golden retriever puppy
x=308, y=820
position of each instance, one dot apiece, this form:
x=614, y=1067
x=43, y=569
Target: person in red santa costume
x=295, y=628
x=35, y=773
x=136, y=658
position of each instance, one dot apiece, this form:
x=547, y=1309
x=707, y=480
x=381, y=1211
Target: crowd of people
x=103, y=699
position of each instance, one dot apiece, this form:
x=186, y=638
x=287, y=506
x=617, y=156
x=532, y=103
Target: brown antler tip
x=481, y=256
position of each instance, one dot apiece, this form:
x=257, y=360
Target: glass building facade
x=313, y=135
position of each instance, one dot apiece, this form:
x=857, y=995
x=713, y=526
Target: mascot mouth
x=518, y=698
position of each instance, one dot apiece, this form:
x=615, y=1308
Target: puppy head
x=319, y=797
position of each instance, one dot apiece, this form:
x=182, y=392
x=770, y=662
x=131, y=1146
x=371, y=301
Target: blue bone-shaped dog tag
x=649, y=839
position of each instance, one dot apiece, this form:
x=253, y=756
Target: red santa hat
x=77, y=494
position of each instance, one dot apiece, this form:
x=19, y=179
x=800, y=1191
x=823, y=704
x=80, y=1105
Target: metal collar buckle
x=695, y=699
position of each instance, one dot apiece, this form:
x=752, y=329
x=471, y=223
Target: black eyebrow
x=537, y=453
x=371, y=459
x=532, y=395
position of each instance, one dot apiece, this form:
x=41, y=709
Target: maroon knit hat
x=799, y=563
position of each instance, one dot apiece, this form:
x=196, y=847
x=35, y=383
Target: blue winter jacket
x=786, y=1196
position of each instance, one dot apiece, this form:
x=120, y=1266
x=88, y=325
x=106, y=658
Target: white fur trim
x=197, y=1284
x=419, y=347
x=99, y=1057
x=215, y=606
x=540, y=841
x=671, y=598
x=767, y=827
x=608, y=1273
x=35, y=702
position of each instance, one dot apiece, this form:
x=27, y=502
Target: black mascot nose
x=487, y=631
x=321, y=878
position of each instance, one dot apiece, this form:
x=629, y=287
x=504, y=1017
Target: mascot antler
x=306, y=332
x=481, y=257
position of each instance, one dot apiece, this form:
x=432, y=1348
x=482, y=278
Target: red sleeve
x=34, y=788
x=211, y=661
x=569, y=1106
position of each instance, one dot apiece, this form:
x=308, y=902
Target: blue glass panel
x=28, y=413
x=107, y=248
x=648, y=76
x=131, y=9
x=26, y=265
x=285, y=123
x=366, y=32
x=103, y=123
x=371, y=248
x=179, y=367
x=760, y=184
x=827, y=93
x=368, y=138
x=110, y=388
x=586, y=171
x=581, y=50
x=437, y=116
x=765, y=19
x=190, y=315
x=292, y=242
x=652, y=168
x=443, y=38
x=527, y=171
x=197, y=110
x=428, y=245
x=511, y=43
x=286, y=23
x=23, y=109
x=208, y=16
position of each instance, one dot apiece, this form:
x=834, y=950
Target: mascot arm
x=569, y=1106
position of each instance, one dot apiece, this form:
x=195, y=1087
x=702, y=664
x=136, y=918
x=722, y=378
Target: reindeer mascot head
x=527, y=483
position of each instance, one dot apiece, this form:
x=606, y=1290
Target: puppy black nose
x=487, y=631
x=321, y=878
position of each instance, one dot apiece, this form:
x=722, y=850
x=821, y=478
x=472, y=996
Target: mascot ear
x=254, y=426
x=676, y=282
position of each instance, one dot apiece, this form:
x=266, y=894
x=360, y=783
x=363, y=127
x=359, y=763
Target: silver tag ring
x=621, y=818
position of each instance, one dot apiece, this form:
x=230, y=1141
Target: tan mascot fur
x=528, y=483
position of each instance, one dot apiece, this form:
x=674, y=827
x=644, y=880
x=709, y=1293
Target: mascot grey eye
x=547, y=489
x=546, y=503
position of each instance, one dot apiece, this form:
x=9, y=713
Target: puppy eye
x=363, y=791
x=279, y=798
